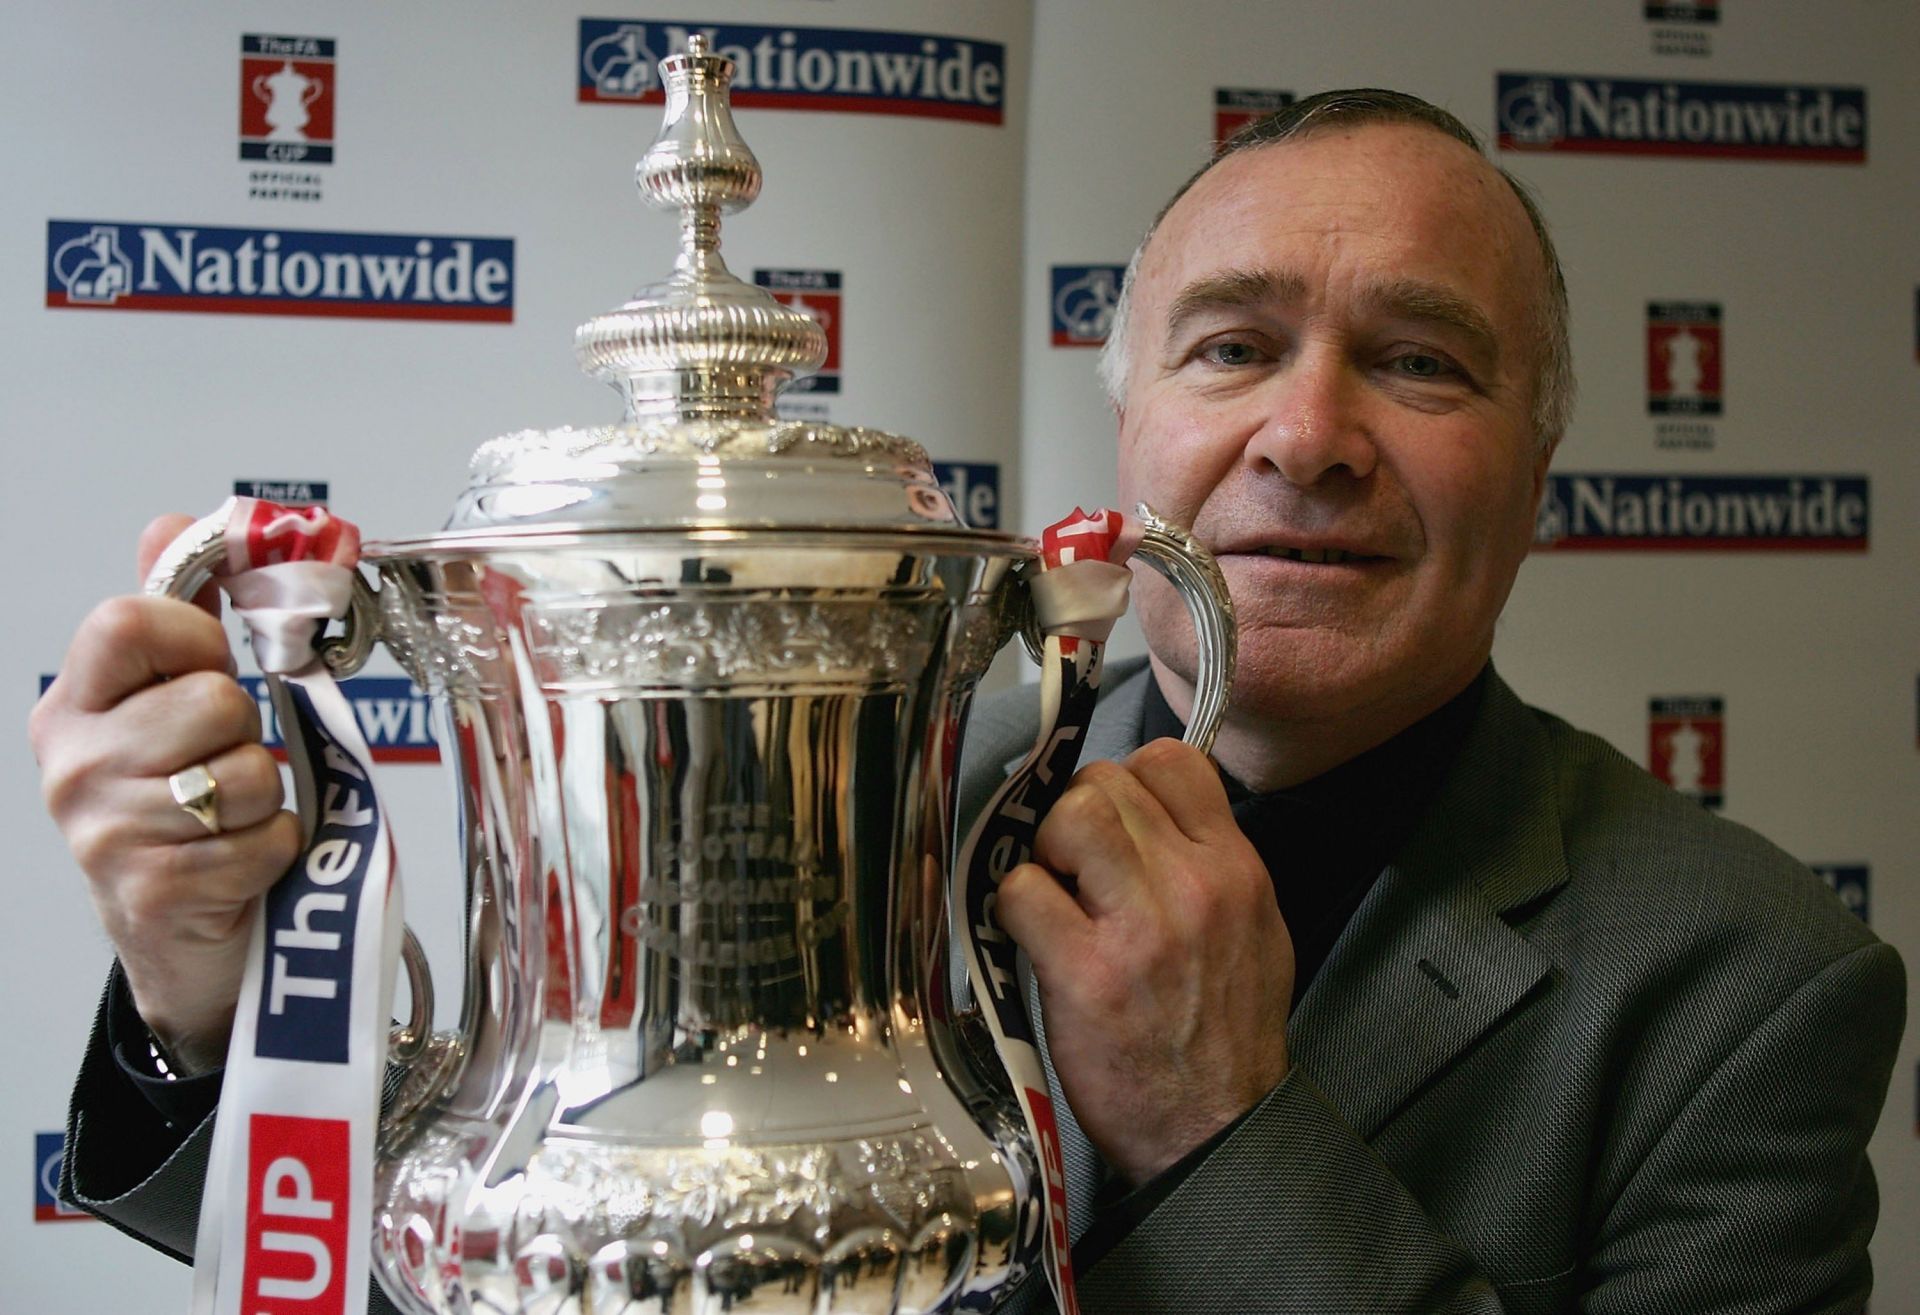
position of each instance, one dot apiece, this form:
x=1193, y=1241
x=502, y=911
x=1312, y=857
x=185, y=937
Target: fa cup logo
x=287, y=93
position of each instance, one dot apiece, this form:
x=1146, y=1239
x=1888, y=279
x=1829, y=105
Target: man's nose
x=1317, y=422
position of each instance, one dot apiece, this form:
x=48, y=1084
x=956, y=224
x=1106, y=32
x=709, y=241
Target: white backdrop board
x=1743, y=310
x=892, y=137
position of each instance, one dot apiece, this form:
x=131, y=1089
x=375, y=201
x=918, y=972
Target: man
x=1420, y=1000
x=1525, y=1031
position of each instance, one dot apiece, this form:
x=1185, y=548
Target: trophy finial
x=702, y=344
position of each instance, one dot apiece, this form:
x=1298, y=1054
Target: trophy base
x=882, y=1225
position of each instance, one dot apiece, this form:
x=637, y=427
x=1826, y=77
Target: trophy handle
x=407, y=1042
x=183, y=568
x=1192, y=570
x=186, y=564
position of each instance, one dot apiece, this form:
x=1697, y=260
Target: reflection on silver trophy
x=703, y=673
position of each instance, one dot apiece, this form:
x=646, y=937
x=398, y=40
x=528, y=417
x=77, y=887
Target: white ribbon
x=1079, y=593
x=286, y=1216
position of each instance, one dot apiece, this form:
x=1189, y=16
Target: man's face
x=1331, y=382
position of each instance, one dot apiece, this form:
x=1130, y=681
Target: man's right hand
x=146, y=691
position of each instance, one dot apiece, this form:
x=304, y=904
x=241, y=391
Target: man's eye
x=1230, y=353
x=1421, y=365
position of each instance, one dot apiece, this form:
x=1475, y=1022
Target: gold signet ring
x=195, y=790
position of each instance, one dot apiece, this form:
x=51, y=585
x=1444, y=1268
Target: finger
x=126, y=644
x=157, y=903
x=247, y=790
x=1043, y=919
x=160, y=730
x=234, y=867
x=194, y=893
x=160, y=532
x=1187, y=785
x=1099, y=833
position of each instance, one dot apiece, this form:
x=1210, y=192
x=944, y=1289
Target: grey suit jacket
x=1584, y=1046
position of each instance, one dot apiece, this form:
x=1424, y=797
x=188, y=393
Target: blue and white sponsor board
x=974, y=489
x=134, y=265
x=803, y=68
x=1703, y=513
x=394, y=715
x=1851, y=882
x=1635, y=116
x=1083, y=298
x=49, y=1153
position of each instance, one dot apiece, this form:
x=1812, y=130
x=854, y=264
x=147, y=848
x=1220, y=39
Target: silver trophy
x=702, y=675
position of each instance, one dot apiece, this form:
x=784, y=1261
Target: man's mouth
x=1317, y=556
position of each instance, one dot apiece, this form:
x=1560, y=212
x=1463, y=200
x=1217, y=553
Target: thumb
x=160, y=532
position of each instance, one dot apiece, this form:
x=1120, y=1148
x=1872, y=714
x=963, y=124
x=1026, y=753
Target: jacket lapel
x=1428, y=963
x=1115, y=731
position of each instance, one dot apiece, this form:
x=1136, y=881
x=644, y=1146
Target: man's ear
x=1541, y=461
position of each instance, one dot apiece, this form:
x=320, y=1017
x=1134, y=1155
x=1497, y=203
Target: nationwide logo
x=286, y=492
x=974, y=489
x=49, y=1153
x=1687, y=746
x=816, y=292
x=803, y=68
x=1684, y=358
x=253, y=271
x=1235, y=107
x=395, y=717
x=286, y=99
x=1688, y=513
x=1747, y=121
x=1084, y=297
x=1850, y=882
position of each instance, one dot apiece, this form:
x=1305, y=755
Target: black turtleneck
x=1325, y=842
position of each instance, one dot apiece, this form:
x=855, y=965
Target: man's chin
x=1287, y=676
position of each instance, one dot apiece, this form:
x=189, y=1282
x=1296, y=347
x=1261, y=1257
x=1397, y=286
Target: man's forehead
x=1405, y=179
x=1376, y=293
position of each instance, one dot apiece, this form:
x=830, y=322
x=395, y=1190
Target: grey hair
x=1553, y=385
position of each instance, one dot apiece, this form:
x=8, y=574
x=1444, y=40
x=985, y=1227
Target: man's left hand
x=1164, y=966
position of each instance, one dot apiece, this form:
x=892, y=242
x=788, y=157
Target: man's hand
x=1165, y=969
x=145, y=692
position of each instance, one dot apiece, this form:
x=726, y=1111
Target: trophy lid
x=698, y=358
